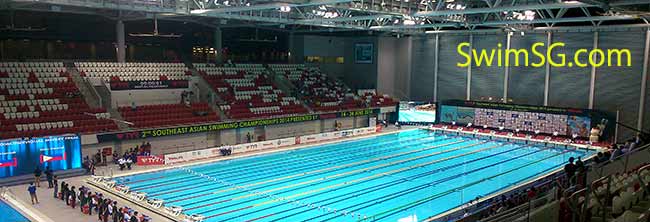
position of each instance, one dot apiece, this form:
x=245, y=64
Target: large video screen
x=416, y=112
x=547, y=123
x=22, y=156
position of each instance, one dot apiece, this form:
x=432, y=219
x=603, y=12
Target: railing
x=600, y=171
x=237, y=120
x=94, y=92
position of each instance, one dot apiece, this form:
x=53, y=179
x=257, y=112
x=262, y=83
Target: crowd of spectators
x=96, y=203
x=131, y=155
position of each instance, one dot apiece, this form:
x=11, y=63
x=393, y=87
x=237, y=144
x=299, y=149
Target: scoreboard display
x=524, y=121
x=22, y=156
x=547, y=120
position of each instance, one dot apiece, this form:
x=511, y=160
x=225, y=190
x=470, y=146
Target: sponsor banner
x=353, y=113
x=286, y=142
x=364, y=131
x=262, y=145
x=330, y=135
x=369, y=130
x=19, y=156
x=191, y=155
x=347, y=133
x=256, y=146
x=159, y=84
x=153, y=133
x=150, y=160
x=310, y=138
x=177, y=157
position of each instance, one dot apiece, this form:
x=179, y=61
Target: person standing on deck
x=49, y=176
x=73, y=197
x=32, y=193
x=55, y=181
x=37, y=176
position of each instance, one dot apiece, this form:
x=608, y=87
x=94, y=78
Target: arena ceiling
x=392, y=16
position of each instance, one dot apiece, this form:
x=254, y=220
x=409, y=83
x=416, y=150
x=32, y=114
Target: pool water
x=410, y=174
x=9, y=214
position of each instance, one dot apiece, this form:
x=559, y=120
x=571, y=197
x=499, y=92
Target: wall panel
x=487, y=80
x=452, y=80
x=526, y=83
x=569, y=86
x=422, y=68
x=618, y=88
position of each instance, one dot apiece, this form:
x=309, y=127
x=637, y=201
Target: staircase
x=217, y=100
x=105, y=94
x=286, y=86
x=90, y=95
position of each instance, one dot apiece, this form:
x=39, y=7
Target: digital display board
x=416, y=112
x=22, y=156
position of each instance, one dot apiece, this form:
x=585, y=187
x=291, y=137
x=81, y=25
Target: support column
x=547, y=77
x=506, y=70
x=218, y=44
x=644, y=80
x=435, y=68
x=291, y=49
x=469, y=68
x=592, y=82
x=121, y=45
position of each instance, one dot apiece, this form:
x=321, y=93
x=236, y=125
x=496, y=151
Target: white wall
x=293, y=129
x=228, y=137
x=197, y=141
x=360, y=121
x=394, y=66
x=328, y=124
x=329, y=46
x=145, y=97
x=173, y=144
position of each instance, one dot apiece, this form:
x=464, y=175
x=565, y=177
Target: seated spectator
x=617, y=152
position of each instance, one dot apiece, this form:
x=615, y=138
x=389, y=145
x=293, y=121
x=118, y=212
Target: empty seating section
x=39, y=98
x=625, y=200
x=111, y=71
x=168, y=114
x=318, y=90
x=374, y=100
x=247, y=91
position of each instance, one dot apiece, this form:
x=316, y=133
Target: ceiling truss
x=400, y=16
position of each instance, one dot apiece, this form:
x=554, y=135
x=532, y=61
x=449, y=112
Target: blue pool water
x=413, y=173
x=9, y=214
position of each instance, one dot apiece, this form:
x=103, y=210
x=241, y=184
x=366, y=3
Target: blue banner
x=22, y=156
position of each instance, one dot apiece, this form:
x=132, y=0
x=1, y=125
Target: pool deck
x=55, y=210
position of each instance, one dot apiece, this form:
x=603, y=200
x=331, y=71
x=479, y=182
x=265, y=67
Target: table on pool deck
x=56, y=209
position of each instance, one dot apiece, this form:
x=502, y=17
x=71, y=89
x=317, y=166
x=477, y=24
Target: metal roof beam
x=438, y=25
x=501, y=9
x=269, y=6
x=568, y=4
x=279, y=20
x=348, y=19
x=559, y=20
